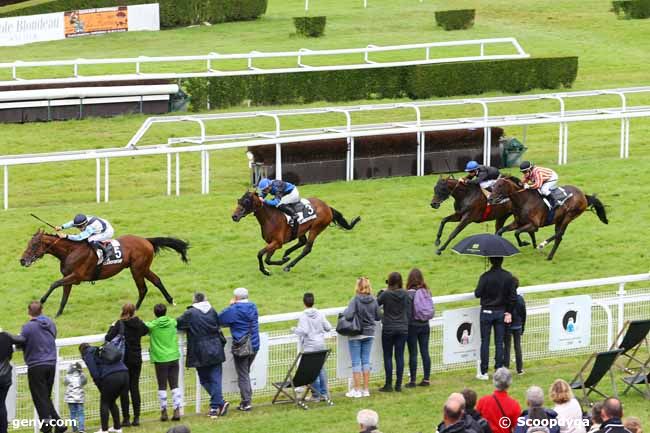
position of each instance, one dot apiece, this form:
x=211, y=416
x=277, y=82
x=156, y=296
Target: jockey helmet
x=79, y=220
x=525, y=166
x=263, y=184
x=471, y=166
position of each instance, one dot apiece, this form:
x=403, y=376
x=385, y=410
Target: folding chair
x=602, y=364
x=303, y=372
x=635, y=336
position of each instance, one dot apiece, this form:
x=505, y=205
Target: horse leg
x=64, y=298
x=529, y=228
x=499, y=223
x=510, y=227
x=533, y=239
x=302, y=240
x=156, y=281
x=453, y=218
x=313, y=234
x=69, y=279
x=559, y=233
x=141, y=285
x=260, y=255
x=461, y=225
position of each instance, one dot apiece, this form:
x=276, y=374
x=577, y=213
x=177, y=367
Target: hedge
x=10, y=2
x=632, y=9
x=413, y=81
x=455, y=19
x=173, y=13
x=310, y=26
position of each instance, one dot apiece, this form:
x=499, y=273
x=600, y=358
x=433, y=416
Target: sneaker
x=410, y=385
x=214, y=413
x=244, y=407
x=521, y=372
x=223, y=410
x=424, y=383
x=483, y=376
x=353, y=393
x=365, y=393
x=386, y=388
x=114, y=430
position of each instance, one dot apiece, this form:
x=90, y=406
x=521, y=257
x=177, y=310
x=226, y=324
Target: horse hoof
x=438, y=252
x=524, y=244
x=437, y=242
x=173, y=303
x=43, y=300
x=541, y=246
x=265, y=272
x=285, y=259
x=286, y=269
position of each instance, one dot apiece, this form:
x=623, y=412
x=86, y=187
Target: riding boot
x=294, y=219
x=97, y=245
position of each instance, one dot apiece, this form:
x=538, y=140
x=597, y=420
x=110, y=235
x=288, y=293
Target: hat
x=241, y=293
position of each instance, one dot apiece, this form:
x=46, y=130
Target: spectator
x=496, y=289
x=242, y=318
x=470, y=405
x=179, y=429
x=134, y=329
x=205, y=350
x=596, y=417
x=470, y=424
x=633, y=424
x=612, y=413
x=74, y=395
x=514, y=331
x=365, y=307
x=419, y=330
x=311, y=329
x=569, y=412
x=395, y=327
x=112, y=380
x=39, y=350
x=536, y=411
x=6, y=351
x=453, y=416
x=499, y=404
x=164, y=353
x=368, y=421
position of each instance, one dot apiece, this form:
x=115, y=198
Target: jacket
x=458, y=427
x=518, y=315
x=311, y=329
x=40, y=342
x=98, y=369
x=521, y=426
x=397, y=311
x=95, y=225
x=485, y=173
x=368, y=311
x=497, y=290
x=74, y=382
x=242, y=318
x=569, y=415
x=613, y=425
x=6, y=351
x=163, y=345
x=204, y=346
x=412, y=321
x=489, y=410
x=279, y=188
x=134, y=330
x=480, y=421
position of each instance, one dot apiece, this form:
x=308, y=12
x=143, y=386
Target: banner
x=34, y=28
x=570, y=322
x=344, y=362
x=461, y=335
x=96, y=21
x=258, y=369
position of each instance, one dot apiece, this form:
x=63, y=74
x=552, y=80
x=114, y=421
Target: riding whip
x=43, y=221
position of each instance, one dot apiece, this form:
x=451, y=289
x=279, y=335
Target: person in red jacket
x=499, y=409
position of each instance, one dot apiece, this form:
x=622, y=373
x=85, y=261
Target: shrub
x=173, y=13
x=413, y=81
x=632, y=9
x=10, y=2
x=313, y=27
x=456, y=19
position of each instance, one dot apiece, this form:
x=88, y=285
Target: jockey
x=481, y=175
x=93, y=229
x=543, y=179
x=285, y=194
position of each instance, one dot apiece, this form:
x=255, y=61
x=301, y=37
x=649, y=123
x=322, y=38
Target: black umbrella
x=485, y=245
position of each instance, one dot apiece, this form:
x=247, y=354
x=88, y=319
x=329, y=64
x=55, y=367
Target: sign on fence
x=461, y=341
x=96, y=21
x=344, y=362
x=258, y=369
x=570, y=322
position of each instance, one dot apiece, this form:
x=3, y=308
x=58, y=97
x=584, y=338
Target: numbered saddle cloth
x=113, y=251
x=304, y=210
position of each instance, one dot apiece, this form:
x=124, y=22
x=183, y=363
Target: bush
x=456, y=19
x=313, y=27
x=413, y=81
x=173, y=13
x=632, y=9
x=10, y=2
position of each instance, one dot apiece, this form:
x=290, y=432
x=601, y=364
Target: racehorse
x=470, y=206
x=79, y=262
x=531, y=212
x=276, y=231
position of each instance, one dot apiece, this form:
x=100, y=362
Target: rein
x=47, y=250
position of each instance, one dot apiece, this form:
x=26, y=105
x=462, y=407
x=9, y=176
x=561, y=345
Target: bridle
x=47, y=250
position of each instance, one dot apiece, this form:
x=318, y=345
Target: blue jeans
x=390, y=342
x=489, y=320
x=360, y=354
x=210, y=378
x=77, y=414
x=319, y=387
x=419, y=336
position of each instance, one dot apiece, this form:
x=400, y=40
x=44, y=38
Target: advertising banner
x=33, y=28
x=570, y=322
x=461, y=335
x=96, y=21
x=258, y=369
x=344, y=362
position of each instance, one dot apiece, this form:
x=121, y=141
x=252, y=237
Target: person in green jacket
x=164, y=353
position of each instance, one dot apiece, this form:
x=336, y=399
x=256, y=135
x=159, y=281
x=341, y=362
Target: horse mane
x=513, y=179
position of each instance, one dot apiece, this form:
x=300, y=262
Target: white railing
x=212, y=58
x=609, y=312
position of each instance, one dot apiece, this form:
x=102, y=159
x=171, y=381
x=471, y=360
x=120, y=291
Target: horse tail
x=595, y=204
x=340, y=220
x=177, y=245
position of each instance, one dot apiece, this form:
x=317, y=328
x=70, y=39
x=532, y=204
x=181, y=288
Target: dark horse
x=79, y=262
x=470, y=206
x=531, y=212
x=276, y=230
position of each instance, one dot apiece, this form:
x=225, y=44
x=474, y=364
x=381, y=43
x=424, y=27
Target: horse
x=79, y=262
x=470, y=206
x=531, y=212
x=276, y=231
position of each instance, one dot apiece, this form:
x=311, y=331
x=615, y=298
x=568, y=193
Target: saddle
x=556, y=198
x=109, y=253
x=304, y=210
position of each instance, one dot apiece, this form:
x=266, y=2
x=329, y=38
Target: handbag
x=113, y=351
x=349, y=328
x=243, y=347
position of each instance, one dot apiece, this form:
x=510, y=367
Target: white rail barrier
x=609, y=312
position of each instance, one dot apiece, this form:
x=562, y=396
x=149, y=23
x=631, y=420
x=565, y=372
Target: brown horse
x=531, y=212
x=470, y=206
x=276, y=231
x=79, y=262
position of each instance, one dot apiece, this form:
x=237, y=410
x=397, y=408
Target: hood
x=133, y=322
x=203, y=307
x=366, y=299
x=396, y=294
x=43, y=321
x=164, y=322
x=312, y=313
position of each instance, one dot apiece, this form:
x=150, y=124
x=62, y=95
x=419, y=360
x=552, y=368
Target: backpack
x=423, y=309
x=113, y=351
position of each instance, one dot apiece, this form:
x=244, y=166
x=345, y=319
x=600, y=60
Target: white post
x=203, y=172
x=418, y=159
x=98, y=178
x=622, y=151
x=566, y=143
x=351, y=158
x=365, y=4
x=181, y=376
x=278, y=161
x=423, y=150
x=207, y=172
x=627, y=138
x=306, y=5
x=169, y=174
x=178, y=174
x=560, y=150
x=197, y=391
x=6, y=188
x=488, y=145
x=621, y=308
x=57, y=384
x=106, y=181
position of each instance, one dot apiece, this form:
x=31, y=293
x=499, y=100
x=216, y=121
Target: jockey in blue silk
x=92, y=228
x=284, y=195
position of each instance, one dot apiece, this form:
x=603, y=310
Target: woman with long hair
x=419, y=329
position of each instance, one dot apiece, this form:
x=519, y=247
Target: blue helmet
x=471, y=166
x=79, y=220
x=263, y=184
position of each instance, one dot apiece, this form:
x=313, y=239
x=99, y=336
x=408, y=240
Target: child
x=514, y=331
x=311, y=330
x=75, y=396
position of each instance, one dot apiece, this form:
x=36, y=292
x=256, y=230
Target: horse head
x=248, y=203
x=442, y=191
x=502, y=189
x=36, y=248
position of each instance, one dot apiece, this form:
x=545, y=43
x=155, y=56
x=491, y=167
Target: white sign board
x=461, y=335
x=12, y=395
x=258, y=369
x=32, y=28
x=570, y=322
x=344, y=362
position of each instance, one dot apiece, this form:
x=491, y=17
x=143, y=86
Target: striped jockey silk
x=539, y=175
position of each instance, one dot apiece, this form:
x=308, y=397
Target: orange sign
x=94, y=21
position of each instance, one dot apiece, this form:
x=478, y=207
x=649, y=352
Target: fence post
x=178, y=174
x=98, y=179
x=181, y=365
x=278, y=161
x=106, y=181
x=197, y=391
x=57, y=382
x=6, y=188
x=169, y=174
x=621, y=307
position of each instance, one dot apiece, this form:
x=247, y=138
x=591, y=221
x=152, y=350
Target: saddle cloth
x=559, y=196
x=114, y=253
x=304, y=210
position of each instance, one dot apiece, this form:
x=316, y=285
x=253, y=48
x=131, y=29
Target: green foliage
x=313, y=27
x=632, y=9
x=460, y=19
x=10, y=2
x=172, y=13
x=416, y=82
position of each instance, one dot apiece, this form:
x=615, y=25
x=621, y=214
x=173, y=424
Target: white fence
x=609, y=311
